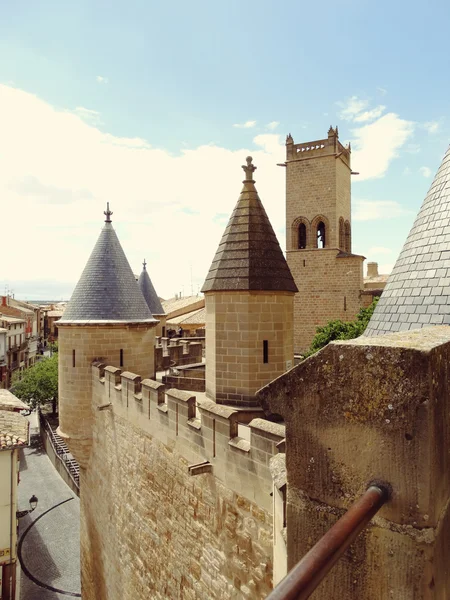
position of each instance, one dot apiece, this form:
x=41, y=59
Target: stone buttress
x=108, y=318
x=249, y=293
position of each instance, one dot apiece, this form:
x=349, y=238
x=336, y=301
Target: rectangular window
x=121, y=357
x=265, y=351
x=73, y=358
x=345, y=302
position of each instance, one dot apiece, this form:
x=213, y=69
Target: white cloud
x=425, y=171
x=87, y=114
x=373, y=210
x=246, y=125
x=370, y=115
x=382, y=91
x=352, y=107
x=431, y=126
x=386, y=268
x=57, y=171
x=101, y=79
x=380, y=250
x=374, y=146
x=272, y=125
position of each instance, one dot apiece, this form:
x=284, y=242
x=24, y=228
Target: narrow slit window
x=121, y=357
x=345, y=302
x=73, y=358
x=265, y=351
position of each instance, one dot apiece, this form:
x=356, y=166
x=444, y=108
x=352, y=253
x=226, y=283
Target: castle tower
x=318, y=235
x=107, y=318
x=417, y=293
x=152, y=299
x=249, y=293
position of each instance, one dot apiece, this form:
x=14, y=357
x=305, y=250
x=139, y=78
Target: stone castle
x=217, y=494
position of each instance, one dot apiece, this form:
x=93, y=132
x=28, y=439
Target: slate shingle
x=107, y=289
x=149, y=293
x=249, y=256
x=419, y=273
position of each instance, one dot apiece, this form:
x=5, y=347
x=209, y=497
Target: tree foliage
x=38, y=384
x=341, y=330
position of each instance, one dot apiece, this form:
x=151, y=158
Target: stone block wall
x=179, y=351
x=238, y=323
x=79, y=345
x=372, y=408
x=329, y=288
x=150, y=529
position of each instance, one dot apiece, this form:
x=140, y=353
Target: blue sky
x=154, y=106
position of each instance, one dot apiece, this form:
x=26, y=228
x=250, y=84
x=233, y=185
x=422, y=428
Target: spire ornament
x=144, y=264
x=249, y=169
x=107, y=213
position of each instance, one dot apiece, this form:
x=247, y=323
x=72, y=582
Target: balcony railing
x=306, y=576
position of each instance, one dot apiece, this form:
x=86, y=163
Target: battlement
x=318, y=148
x=201, y=431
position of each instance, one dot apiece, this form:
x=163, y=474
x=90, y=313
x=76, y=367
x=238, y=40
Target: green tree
x=38, y=384
x=341, y=330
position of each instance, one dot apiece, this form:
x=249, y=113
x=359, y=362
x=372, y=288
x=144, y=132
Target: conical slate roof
x=417, y=293
x=107, y=289
x=249, y=256
x=148, y=291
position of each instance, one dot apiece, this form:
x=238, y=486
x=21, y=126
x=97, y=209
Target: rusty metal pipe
x=304, y=578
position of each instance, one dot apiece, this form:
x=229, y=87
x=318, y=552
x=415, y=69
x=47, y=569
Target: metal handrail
x=60, y=450
x=306, y=576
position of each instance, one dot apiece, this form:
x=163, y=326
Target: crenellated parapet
x=318, y=148
x=200, y=430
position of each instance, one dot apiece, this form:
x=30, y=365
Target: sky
x=153, y=107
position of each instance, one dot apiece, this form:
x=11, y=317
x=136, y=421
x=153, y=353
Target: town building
x=3, y=357
x=16, y=346
x=14, y=435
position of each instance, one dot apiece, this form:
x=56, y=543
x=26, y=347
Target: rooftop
x=173, y=305
x=14, y=430
x=249, y=256
x=149, y=293
x=10, y=402
x=196, y=317
x=417, y=293
x=107, y=290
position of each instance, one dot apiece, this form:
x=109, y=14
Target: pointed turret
x=417, y=293
x=107, y=289
x=249, y=256
x=249, y=296
x=107, y=319
x=152, y=299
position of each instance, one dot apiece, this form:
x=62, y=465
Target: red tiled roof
x=14, y=430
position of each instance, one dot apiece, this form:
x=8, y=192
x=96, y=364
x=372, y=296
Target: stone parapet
x=201, y=429
x=363, y=410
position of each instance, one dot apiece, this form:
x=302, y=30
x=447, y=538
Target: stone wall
x=153, y=528
x=329, y=288
x=79, y=345
x=363, y=410
x=177, y=351
x=238, y=325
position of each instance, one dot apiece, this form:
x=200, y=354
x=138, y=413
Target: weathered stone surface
x=372, y=408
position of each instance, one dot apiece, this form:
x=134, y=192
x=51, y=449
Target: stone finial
x=331, y=132
x=144, y=264
x=337, y=131
x=107, y=213
x=289, y=139
x=249, y=169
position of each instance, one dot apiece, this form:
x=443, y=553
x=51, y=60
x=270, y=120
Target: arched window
x=321, y=240
x=341, y=234
x=348, y=237
x=302, y=236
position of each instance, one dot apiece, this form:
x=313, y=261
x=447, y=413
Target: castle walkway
x=50, y=536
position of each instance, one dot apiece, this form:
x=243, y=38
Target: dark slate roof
x=107, y=289
x=417, y=293
x=148, y=291
x=249, y=256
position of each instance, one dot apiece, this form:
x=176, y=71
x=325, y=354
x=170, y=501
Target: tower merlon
x=326, y=147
